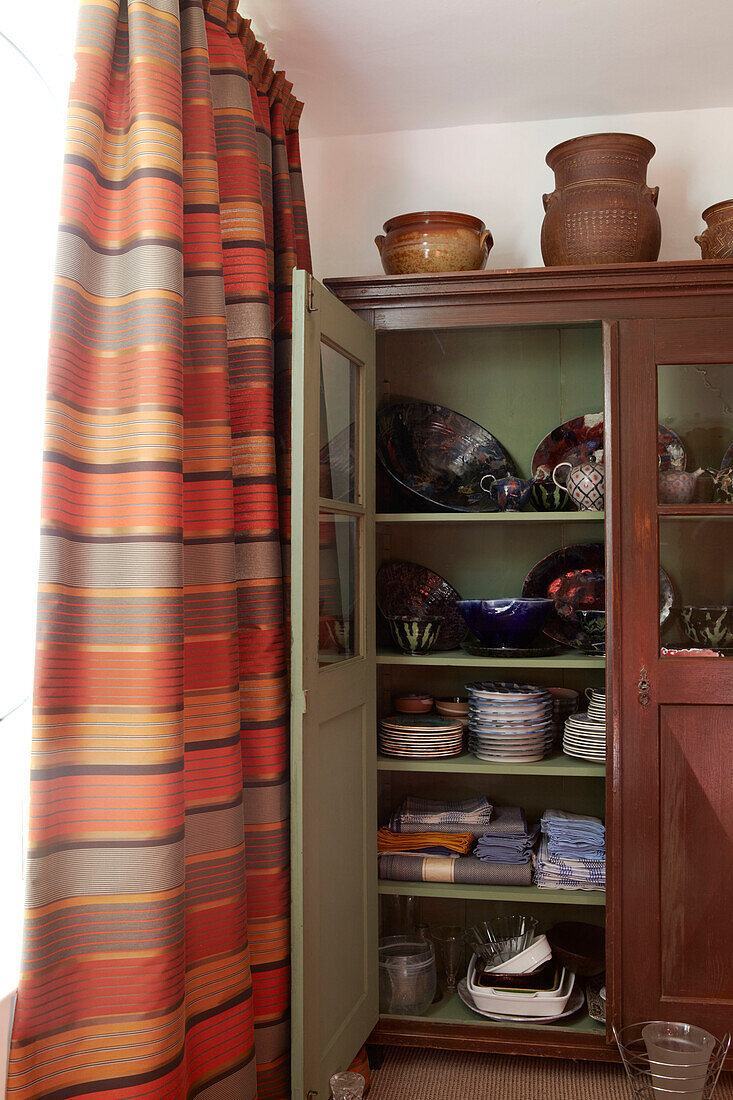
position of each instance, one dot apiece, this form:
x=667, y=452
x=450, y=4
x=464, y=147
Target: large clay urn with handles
x=601, y=211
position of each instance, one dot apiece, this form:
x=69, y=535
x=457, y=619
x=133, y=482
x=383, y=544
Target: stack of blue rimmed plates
x=510, y=723
x=585, y=734
x=421, y=736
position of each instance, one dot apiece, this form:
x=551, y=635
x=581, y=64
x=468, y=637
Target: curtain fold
x=156, y=946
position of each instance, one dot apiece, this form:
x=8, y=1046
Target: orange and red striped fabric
x=156, y=952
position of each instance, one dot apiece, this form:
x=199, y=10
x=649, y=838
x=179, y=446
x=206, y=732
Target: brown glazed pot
x=601, y=211
x=433, y=240
x=716, y=242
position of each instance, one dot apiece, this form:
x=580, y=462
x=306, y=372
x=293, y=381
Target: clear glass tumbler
x=347, y=1086
x=450, y=942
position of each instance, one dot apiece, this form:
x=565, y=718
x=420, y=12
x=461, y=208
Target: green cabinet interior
x=520, y=382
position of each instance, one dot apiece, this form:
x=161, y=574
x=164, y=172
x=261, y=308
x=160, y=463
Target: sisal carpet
x=415, y=1074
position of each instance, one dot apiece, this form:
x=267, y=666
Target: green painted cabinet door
x=334, y=874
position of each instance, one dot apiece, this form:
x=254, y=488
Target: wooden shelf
x=696, y=511
x=490, y=517
x=452, y=1010
x=556, y=765
x=457, y=658
x=532, y=894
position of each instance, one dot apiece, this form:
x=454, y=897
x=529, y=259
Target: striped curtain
x=156, y=938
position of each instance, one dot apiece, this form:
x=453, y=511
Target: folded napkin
x=574, y=835
x=507, y=849
x=554, y=873
x=411, y=867
x=431, y=843
x=506, y=821
x=418, y=815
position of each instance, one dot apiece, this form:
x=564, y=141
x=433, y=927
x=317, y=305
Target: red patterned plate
x=576, y=440
x=575, y=577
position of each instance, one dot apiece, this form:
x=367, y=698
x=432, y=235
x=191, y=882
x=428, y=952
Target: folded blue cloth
x=568, y=874
x=508, y=848
x=574, y=836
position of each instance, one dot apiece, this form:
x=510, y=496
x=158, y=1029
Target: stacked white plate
x=510, y=723
x=585, y=734
x=421, y=736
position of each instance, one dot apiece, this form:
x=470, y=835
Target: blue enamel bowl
x=512, y=623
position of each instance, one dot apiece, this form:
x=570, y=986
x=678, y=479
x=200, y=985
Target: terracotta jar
x=433, y=240
x=601, y=211
x=716, y=242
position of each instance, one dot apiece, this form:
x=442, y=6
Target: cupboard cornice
x=542, y=295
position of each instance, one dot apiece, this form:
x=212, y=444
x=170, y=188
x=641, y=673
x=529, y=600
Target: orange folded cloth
x=387, y=841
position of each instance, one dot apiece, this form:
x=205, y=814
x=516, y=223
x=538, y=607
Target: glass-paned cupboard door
x=333, y=754
x=695, y=491
x=673, y=428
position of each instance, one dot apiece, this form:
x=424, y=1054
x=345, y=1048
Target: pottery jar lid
x=600, y=141
x=428, y=217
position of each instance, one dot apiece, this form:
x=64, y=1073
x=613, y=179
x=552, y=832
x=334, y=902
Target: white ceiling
x=367, y=66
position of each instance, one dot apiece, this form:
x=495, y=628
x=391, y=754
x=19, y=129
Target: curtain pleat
x=156, y=944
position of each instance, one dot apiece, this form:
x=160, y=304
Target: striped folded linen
x=574, y=836
x=554, y=873
x=467, y=870
x=508, y=848
x=418, y=815
x=430, y=843
x=507, y=821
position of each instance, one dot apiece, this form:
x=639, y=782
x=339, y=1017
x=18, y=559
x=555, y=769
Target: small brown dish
x=413, y=703
x=579, y=947
x=545, y=977
x=452, y=706
x=431, y=241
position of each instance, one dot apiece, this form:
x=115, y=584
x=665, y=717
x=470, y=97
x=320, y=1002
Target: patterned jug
x=584, y=484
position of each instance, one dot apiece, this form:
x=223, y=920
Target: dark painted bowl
x=580, y=947
x=415, y=636
x=708, y=627
x=440, y=455
x=514, y=623
x=406, y=590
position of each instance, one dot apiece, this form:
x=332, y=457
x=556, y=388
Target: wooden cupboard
x=520, y=352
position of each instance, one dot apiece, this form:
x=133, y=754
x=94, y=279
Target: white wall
x=498, y=173
x=36, y=58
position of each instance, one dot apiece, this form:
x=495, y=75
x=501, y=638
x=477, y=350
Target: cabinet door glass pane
x=695, y=403
x=697, y=555
x=339, y=427
x=695, y=411
x=338, y=636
